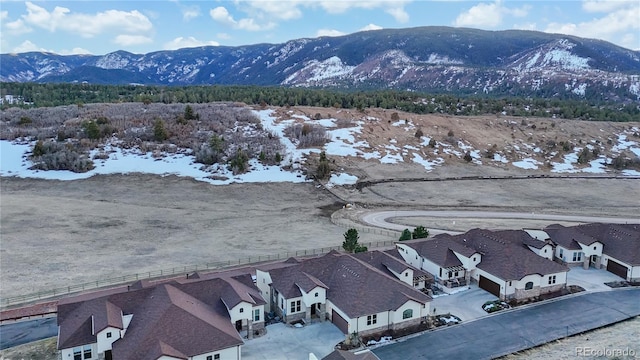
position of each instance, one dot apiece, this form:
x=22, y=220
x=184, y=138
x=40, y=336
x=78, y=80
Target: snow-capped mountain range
x=432, y=59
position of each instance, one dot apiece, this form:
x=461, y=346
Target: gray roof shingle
x=354, y=286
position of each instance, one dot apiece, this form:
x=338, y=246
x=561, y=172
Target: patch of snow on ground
x=341, y=179
x=327, y=123
x=528, y=163
x=596, y=166
x=501, y=158
x=629, y=172
x=391, y=159
x=624, y=144
x=427, y=164
x=127, y=161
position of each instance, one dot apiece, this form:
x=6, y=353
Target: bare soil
x=60, y=233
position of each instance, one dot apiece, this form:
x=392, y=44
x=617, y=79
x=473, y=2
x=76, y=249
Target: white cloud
x=223, y=36
x=604, y=5
x=489, y=15
x=399, y=14
x=371, y=27
x=86, y=25
x=74, y=51
x=129, y=40
x=4, y=15
x=190, y=12
x=329, y=32
x=222, y=16
x=282, y=10
x=27, y=46
x=620, y=26
x=182, y=42
x=394, y=8
x=17, y=27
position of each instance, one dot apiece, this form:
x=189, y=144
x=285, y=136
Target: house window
x=509, y=283
x=86, y=353
x=316, y=294
x=282, y=304
x=545, y=251
x=241, y=310
x=440, y=272
x=209, y=357
x=528, y=286
x=372, y=319
x=577, y=256
x=109, y=334
x=406, y=274
x=295, y=306
x=256, y=315
x=552, y=279
x=561, y=254
x=407, y=314
x=216, y=357
x=455, y=274
x=594, y=247
x=77, y=353
x=449, y=275
x=474, y=259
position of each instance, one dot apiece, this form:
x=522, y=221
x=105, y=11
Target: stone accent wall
x=522, y=294
x=396, y=326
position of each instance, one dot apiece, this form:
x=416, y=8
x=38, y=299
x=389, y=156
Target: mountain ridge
x=463, y=60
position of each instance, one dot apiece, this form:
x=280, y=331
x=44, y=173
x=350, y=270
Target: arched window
x=407, y=314
x=529, y=285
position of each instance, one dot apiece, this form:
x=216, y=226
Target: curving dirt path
x=382, y=219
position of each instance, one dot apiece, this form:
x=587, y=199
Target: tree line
x=56, y=94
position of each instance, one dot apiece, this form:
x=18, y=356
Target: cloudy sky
x=100, y=27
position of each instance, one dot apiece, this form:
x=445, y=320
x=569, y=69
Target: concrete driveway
x=467, y=304
x=290, y=343
x=591, y=279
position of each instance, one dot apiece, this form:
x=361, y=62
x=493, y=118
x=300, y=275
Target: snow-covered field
x=343, y=142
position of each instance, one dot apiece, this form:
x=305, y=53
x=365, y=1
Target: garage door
x=617, y=268
x=489, y=285
x=340, y=322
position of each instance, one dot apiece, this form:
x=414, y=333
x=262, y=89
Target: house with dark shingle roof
x=615, y=247
x=354, y=295
x=392, y=263
x=179, y=319
x=509, y=264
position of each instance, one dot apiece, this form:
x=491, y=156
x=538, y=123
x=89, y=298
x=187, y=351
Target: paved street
x=27, y=331
x=526, y=327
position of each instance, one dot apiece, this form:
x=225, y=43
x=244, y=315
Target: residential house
x=197, y=319
x=509, y=264
x=615, y=247
x=391, y=262
x=356, y=296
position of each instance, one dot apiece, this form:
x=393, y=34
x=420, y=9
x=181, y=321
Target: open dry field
x=60, y=233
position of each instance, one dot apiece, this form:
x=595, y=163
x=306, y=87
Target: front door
x=239, y=325
x=107, y=355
